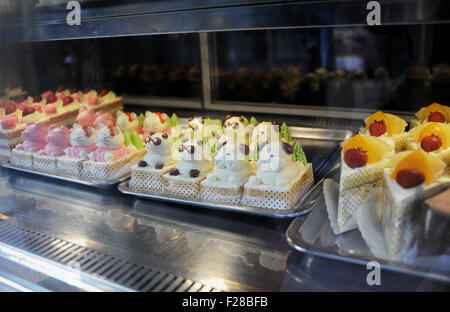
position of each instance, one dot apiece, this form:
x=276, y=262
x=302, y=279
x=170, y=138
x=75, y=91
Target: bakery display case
x=224, y=145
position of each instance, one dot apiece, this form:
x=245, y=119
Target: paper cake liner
x=182, y=186
x=218, y=192
x=364, y=175
x=21, y=158
x=44, y=163
x=281, y=198
x=109, y=170
x=348, y=203
x=148, y=179
x=69, y=166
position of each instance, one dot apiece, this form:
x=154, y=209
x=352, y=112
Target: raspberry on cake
x=387, y=127
x=414, y=175
x=363, y=159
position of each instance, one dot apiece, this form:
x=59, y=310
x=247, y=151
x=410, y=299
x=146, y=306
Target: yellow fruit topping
x=430, y=166
x=394, y=124
x=374, y=147
x=425, y=112
x=432, y=128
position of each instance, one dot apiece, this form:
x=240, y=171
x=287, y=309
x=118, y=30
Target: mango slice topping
x=425, y=112
x=394, y=124
x=374, y=147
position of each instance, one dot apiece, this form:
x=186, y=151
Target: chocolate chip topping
x=156, y=141
x=174, y=172
x=288, y=148
x=228, y=117
x=142, y=163
x=194, y=173
x=244, y=149
x=159, y=165
x=165, y=135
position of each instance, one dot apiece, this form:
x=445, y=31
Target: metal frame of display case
x=108, y=19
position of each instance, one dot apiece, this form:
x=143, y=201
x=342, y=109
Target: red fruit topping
x=87, y=90
x=355, y=158
x=73, y=90
x=21, y=106
x=130, y=118
x=111, y=130
x=28, y=111
x=37, y=99
x=60, y=89
x=161, y=117
x=104, y=92
x=408, y=178
x=431, y=143
x=436, y=117
x=86, y=131
x=51, y=99
x=67, y=100
x=10, y=108
x=377, y=128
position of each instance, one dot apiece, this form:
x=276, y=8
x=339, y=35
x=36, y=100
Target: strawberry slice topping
x=104, y=92
x=409, y=178
x=355, y=158
x=431, y=143
x=377, y=128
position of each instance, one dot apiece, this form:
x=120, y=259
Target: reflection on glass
x=167, y=66
x=388, y=67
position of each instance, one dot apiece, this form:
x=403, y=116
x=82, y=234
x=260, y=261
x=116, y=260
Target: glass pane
x=167, y=66
x=388, y=67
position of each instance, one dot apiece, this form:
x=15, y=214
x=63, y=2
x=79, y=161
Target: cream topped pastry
x=86, y=117
x=110, y=144
x=194, y=160
x=58, y=139
x=364, y=158
x=62, y=92
x=275, y=165
x=161, y=151
x=106, y=119
x=76, y=95
x=34, y=135
x=414, y=175
x=9, y=122
x=82, y=140
x=434, y=113
x=128, y=121
x=156, y=122
x=69, y=104
x=107, y=96
x=388, y=127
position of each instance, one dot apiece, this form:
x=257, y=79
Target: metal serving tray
x=92, y=183
x=322, y=147
x=312, y=235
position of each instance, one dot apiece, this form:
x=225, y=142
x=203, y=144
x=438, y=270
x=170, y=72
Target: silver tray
x=92, y=183
x=322, y=143
x=313, y=235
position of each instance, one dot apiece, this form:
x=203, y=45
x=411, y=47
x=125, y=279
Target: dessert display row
x=58, y=108
x=401, y=167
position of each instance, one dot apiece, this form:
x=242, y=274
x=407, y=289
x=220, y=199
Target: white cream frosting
x=198, y=159
x=152, y=122
x=384, y=137
x=109, y=97
x=165, y=152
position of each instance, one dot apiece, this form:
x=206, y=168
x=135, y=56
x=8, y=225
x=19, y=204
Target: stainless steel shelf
x=130, y=18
